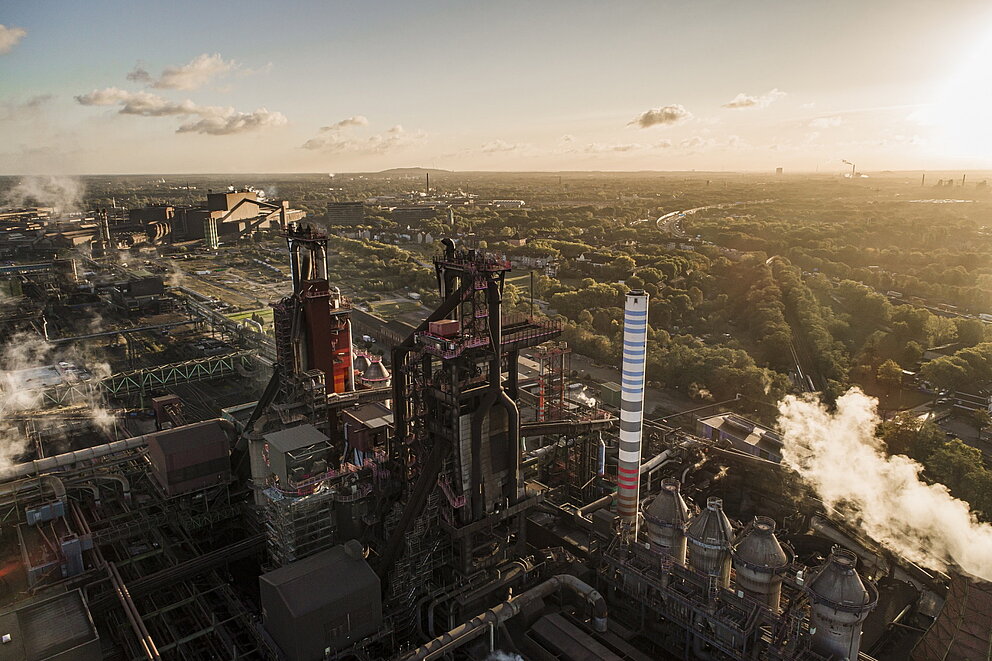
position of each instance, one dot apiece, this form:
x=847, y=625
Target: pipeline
x=137, y=624
x=499, y=614
x=29, y=468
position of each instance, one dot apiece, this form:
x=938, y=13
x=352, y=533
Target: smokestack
x=635, y=335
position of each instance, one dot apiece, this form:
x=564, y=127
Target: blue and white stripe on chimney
x=635, y=336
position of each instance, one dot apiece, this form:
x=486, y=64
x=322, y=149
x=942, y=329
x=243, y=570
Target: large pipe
x=29, y=468
x=635, y=334
x=495, y=616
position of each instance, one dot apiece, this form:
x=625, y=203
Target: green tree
x=889, y=375
x=970, y=331
x=906, y=434
x=951, y=462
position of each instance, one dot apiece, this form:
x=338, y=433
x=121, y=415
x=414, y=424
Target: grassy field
x=391, y=309
x=265, y=313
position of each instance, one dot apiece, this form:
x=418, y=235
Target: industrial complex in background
x=188, y=486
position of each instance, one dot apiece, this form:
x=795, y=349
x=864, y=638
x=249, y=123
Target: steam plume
x=28, y=350
x=839, y=455
x=65, y=194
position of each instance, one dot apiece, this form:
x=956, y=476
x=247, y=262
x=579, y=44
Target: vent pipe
x=635, y=334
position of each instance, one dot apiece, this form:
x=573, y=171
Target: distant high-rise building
x=778, y=170
x=345, y=213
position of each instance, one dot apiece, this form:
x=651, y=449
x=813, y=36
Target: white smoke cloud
x=500, y=655
x=213, y=120
x=9, y=37
x=27, y=351
x=838, y=454
x=65, y=194
x=671, y=114
x=743, y=100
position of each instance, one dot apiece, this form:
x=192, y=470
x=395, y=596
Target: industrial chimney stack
x=635, y=334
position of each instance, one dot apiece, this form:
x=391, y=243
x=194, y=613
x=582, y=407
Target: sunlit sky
x=184, y=86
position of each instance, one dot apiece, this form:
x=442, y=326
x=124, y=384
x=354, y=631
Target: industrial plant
x=211, y=490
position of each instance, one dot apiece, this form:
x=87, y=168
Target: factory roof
x=190, y=438
x=341, y=566
x=46, y=628
x=294, y=438
x=373, y=415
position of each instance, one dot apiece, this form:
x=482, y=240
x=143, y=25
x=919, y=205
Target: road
x=671, y=221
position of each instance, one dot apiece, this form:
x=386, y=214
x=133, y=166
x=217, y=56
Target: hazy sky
x=183, y=86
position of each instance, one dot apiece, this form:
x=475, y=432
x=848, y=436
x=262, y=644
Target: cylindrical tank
x=666, y=516
x=710, y=536
x=635, y=337
x=760, y=560
x=361, y=362
x=375, y=375
x=841, y=602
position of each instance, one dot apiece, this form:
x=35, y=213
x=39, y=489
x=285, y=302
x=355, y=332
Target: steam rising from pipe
x=838, y=454
x=28, y=350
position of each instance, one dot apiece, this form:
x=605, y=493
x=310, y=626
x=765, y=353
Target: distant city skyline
x=135, y=87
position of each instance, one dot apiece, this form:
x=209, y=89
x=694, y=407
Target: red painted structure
x=313, y=324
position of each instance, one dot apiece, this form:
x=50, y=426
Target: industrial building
x=345, y=213
x=438, y=501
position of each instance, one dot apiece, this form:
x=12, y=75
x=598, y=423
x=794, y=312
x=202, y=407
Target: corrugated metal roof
x=189, y=438
x=49, y=627
x=294, y=438
x=339, y=573
x=963, y=629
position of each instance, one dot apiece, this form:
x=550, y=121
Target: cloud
x=9, y=37
x=696, y=143
x=501, y=146
x=213, y=120
x=11, y=110
x=355, y=120
x=743, y=100
x=332, y=139
x=826, y=122
x=139, y=75
x=196, y=73
x=227, y=121
x=600, y=148
x=665, y=115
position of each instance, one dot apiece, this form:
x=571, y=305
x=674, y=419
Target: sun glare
x=960, y=116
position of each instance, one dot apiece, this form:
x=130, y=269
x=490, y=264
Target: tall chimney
x=635, y=334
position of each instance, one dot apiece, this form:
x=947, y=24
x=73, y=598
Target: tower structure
x=635, y=334
x=457, y=426
x=313, y=323
x=313, y=356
